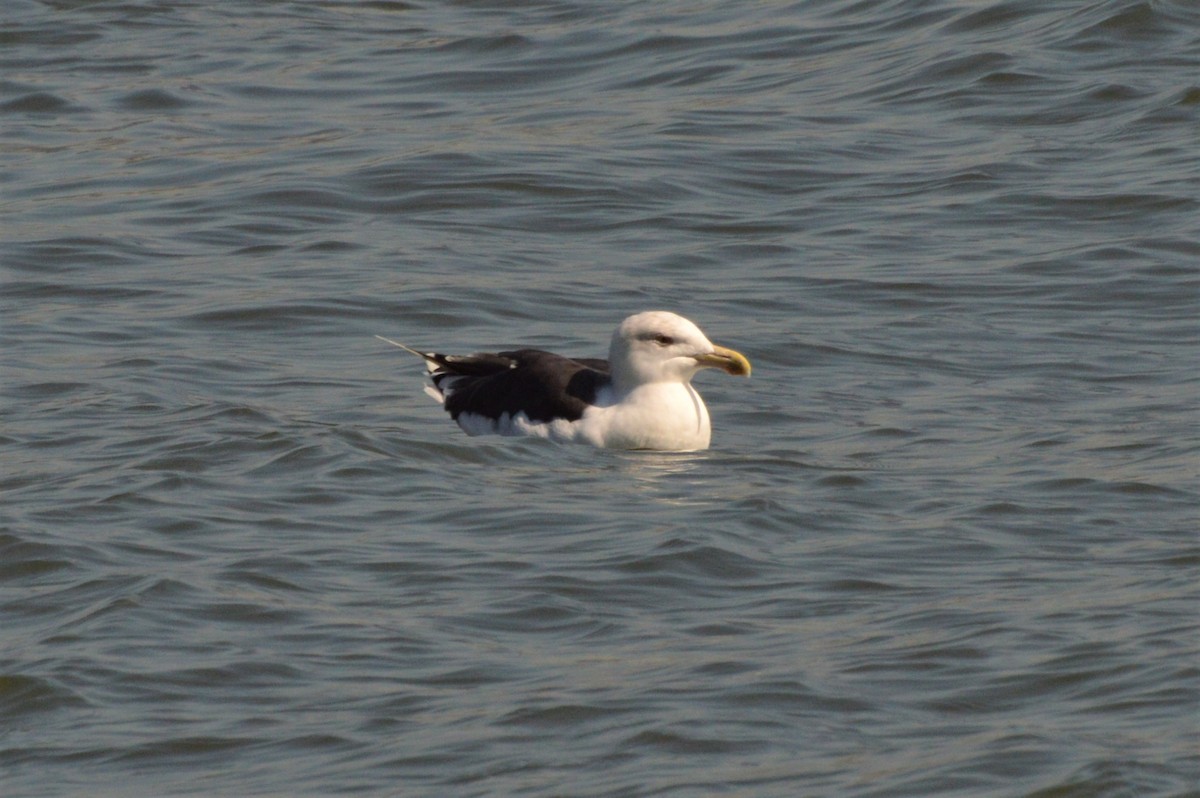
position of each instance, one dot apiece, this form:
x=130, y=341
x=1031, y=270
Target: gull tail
x=426, y=356
x=431, y=364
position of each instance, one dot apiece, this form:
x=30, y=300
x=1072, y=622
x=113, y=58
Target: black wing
x=542, y=385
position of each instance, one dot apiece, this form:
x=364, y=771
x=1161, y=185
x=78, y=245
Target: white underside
x=667, y=416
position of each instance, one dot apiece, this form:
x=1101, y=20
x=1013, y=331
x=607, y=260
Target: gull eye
x=663, y=340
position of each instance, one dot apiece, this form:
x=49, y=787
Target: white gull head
x=662, y=347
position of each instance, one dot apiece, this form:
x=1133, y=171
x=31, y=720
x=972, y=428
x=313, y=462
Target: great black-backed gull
x=640, y=398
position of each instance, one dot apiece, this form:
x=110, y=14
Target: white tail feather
x=430, y=364
x=408, y=349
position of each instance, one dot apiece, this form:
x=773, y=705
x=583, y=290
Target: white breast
x=665, y=416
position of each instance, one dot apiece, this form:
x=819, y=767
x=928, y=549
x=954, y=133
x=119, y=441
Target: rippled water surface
x=946, y=539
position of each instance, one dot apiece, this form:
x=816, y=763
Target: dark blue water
x=946, y=541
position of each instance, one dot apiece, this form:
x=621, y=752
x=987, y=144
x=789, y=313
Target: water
x=945, y=542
